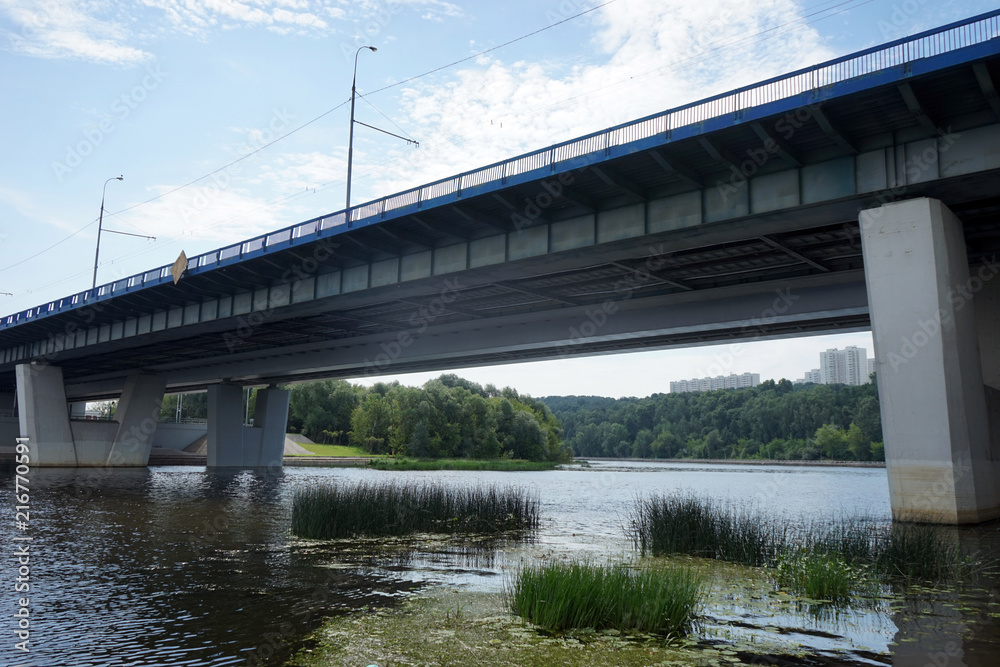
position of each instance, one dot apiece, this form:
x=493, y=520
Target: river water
x=173, y=566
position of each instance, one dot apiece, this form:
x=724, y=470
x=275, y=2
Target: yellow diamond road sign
x=179, y=267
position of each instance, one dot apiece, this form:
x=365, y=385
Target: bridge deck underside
x=813, y=243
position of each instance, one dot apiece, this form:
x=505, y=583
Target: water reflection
x=953, y=626
x=177, y=566
x=171, y=567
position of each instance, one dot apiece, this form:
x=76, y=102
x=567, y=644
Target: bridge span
x=860, y=193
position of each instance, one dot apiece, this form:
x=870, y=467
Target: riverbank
x=748, y=462
x=502, y=465
x=161, y=457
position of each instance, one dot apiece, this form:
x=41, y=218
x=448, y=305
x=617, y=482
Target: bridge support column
x=233, y=445
x=225, y=426
x=43, y=415
x=137, y=415
x=270, y=419
x=941, y=465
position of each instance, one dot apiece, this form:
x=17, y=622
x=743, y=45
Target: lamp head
x=373, y=49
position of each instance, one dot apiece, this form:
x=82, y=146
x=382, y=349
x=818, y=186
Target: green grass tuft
x=384, y=509
x=823, y=576
x=565, y=596
x=333, y=450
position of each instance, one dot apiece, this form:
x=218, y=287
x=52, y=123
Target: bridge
x=859, y=193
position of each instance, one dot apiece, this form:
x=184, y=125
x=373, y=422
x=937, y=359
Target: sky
x=229, y=118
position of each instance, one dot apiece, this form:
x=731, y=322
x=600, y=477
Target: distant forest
x=452, y=417
x=774, y=420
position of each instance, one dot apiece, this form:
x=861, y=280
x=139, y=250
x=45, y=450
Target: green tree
x=371, y=424
x=868, y=417
x=831, y=441
x=859, y=447
x=713, y=445
x=642, y=446
x=322, y=407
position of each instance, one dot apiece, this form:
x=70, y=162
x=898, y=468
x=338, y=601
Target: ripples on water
x=177, y=566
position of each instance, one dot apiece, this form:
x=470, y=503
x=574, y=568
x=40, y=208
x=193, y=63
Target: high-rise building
x=847, y=366
x=814, y=376
x=731, y=381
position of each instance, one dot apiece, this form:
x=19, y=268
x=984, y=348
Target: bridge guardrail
x=937, y=41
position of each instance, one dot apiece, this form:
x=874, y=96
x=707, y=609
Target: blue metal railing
x=951, y=37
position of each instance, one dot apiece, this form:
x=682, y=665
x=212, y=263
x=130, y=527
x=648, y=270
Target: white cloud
x=99, y=31
x=66, y=30
x=651, y=56
x=210, y=212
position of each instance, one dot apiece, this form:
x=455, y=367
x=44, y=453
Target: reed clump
x=664, y=525
x=579, y=595
x=828, y=561
x=385, y=509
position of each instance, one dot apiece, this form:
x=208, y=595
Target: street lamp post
x=350, y=140
x=100, y=223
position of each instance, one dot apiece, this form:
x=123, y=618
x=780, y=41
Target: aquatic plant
x=388, y=509
x=577, y=595
x=822, y=576
x=822, y=557
x=923, y=552
x=662, y=525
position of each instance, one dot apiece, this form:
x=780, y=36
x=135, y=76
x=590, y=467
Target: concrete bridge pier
x=934, y=323
x=231, y=444
x=56, y=440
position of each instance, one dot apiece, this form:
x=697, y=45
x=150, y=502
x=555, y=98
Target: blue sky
x=166, y=91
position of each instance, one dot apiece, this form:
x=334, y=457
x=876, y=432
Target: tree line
x=448, y=417
x=774, y=420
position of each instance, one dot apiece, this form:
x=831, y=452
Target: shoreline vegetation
x=455, y=419
x=749, y=462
